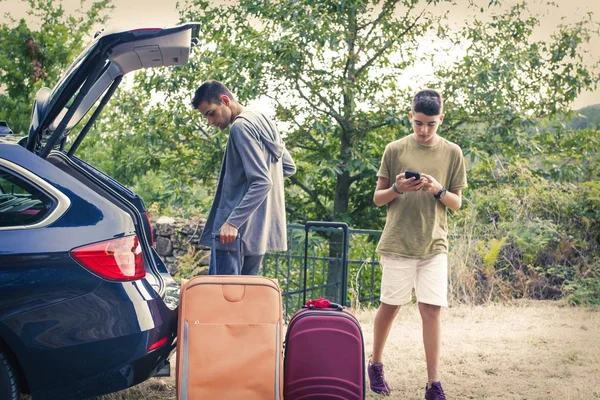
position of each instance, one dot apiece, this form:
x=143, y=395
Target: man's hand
x=410, y=184
x=228, y=233
x=431, y=185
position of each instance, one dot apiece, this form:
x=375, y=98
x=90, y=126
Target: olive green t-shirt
x=416, y=225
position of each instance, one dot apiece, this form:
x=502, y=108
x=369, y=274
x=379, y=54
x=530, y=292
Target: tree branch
x=375, y=126
x=313, y=194
x=320, y=96
x=293, y=120
x=369, y=44
x=199, y=128
x=300, y=127
x=391, y=42
x=375, y=57
x=453, y=126
x=360, y=176
x=385, y=10
x=353, y=25
x=314, y=140
x=331, y=112
x=309, y=148
x=361, y=207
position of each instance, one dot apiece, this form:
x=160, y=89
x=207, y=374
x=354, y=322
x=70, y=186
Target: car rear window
x=21, y=203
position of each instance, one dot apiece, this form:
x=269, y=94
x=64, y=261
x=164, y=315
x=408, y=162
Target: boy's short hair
x=428, y=101
x=210, y=92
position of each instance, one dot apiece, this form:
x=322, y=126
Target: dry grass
x=528, y=350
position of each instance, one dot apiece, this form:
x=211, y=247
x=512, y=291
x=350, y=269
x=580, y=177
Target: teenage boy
x=413, y=247
x=249, y=200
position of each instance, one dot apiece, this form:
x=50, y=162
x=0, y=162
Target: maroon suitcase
x=324, y=354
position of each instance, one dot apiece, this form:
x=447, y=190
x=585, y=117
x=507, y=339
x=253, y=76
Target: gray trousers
x=227, y=263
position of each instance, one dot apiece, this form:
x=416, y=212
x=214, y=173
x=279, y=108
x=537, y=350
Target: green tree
x=510, y=95
x=589, y=117
x=155, y=148
x=36, y=50
x=334, y=71
x=320, y=63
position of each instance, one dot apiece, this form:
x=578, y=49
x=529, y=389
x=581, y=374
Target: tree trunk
x=342, y=187
x=336, y=244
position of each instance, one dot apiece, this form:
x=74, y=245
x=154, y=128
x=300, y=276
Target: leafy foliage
x=33, y=57
x=537, y=239
x=334, y=73
x=589, y=118
x=509, y=95
x=189, y=265
x=144, y=148
x=585, y=292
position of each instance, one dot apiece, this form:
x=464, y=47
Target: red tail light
x=151, y=230
x=158, y=344
x=116, y=259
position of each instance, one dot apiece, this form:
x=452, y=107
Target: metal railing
x=324, y=273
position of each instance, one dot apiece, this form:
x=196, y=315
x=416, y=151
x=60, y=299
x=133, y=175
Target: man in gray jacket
x=249, y=199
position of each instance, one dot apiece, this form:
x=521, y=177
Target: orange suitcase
x=229, y=344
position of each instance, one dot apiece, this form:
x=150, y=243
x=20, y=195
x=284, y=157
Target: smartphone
x=412, y=174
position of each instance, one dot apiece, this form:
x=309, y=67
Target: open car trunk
x=88, y=85
x=156, y=273
x=93, y=78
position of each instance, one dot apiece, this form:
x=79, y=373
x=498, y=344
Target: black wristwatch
x=395, y=189
x=440, y=194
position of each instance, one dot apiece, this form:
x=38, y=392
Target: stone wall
x=176, y=237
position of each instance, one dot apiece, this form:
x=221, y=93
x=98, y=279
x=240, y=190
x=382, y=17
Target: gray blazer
x=250, y=193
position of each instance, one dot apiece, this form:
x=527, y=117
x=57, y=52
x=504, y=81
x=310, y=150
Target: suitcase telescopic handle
x=212, y=266
x=328, y=224
x=335, y=306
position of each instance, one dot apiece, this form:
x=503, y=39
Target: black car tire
x=9, y=389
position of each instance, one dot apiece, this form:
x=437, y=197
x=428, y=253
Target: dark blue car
x=86, y=305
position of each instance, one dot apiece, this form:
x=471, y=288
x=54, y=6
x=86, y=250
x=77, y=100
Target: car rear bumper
x=95, y=344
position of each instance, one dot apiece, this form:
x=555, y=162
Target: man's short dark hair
x=428, y=102
x=210, y=92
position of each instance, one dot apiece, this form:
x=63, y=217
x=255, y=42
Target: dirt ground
x=527, y=350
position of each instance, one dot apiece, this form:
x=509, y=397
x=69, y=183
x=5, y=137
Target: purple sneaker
x=376, y=379
x=434, y=392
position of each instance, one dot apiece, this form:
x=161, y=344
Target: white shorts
x=428, y=277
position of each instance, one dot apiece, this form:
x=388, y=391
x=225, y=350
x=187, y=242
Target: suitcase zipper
x=278, y=363
x=311, y=312
x=183, y=387
x=189, y=286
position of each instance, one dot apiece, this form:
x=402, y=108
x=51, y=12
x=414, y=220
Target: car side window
x=21, y=203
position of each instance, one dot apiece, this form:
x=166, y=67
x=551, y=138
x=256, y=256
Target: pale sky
x=130, y=14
